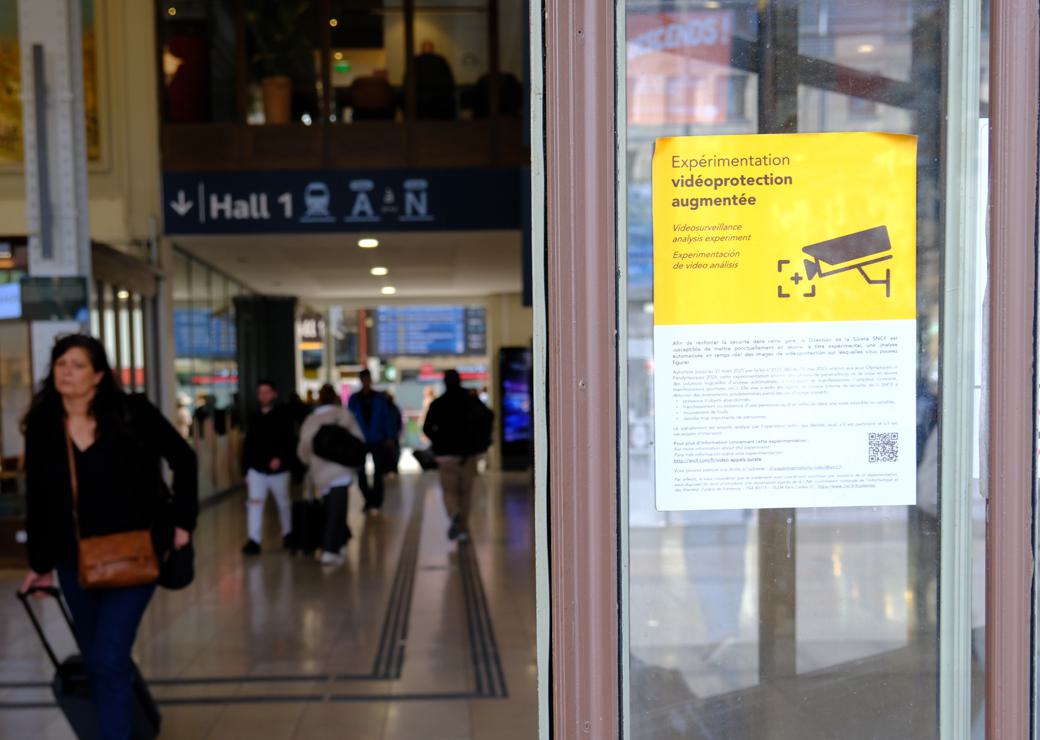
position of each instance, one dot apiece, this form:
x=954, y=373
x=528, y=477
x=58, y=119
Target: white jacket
x=325, y=472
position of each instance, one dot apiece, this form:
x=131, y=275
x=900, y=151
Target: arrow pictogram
x=182, y=205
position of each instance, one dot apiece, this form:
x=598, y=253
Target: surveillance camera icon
x=851, y=252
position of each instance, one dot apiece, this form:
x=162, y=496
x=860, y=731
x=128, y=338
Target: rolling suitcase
x=308, y=526
x=72, y=692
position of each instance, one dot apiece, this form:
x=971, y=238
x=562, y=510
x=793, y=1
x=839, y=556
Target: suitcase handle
x=55, y=593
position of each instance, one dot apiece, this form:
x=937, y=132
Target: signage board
x=335, y=201
x=785, y=328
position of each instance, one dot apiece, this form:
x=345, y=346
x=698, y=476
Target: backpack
x=476, y=436
x=336, y=444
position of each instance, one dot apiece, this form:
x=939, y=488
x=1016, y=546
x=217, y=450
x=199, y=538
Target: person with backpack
x=331, y=457
x=459, y=426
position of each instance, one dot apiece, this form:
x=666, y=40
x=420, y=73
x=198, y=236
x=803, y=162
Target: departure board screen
x=429, y=330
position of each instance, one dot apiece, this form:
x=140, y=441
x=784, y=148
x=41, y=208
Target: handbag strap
x=73, y=478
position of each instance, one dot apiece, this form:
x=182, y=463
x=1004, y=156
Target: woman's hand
x=37, y=580
x=181, y=537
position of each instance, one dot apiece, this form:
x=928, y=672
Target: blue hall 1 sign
x=342, y=201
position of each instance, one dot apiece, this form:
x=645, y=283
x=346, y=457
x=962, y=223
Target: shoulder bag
x=112, y=560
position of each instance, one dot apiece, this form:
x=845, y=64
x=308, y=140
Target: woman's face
x=74, y=376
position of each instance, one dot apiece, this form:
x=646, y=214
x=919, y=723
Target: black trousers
x=336, y=531
x=373, y=493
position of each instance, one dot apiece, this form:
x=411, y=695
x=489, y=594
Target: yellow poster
x=784, y=227
x=784, y=320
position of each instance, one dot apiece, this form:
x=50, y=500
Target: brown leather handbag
x=112, y=560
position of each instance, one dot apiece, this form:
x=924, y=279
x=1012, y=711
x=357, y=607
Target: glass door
x=800, y=458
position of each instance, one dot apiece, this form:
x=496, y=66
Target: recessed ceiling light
x=338, y=55
x=379, y=271
x=333, y=22
x=172, y=11
x=865, y=48
x=388, y=290
x=368, y=243
x=712, y=4
x=123, y=295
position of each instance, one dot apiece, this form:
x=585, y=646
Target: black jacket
x=269, y=436
x=458, y=424
x=132, y=496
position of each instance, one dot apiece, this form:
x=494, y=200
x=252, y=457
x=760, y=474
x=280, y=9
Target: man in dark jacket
x=459, y=426
x=380, y=427
x=267, y=455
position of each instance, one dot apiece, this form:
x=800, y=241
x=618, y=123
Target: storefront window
x=284, y=55
x=451, y=59
x=795, y=621
x=367, y=61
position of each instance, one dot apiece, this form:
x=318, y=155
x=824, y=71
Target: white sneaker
x=331, y=558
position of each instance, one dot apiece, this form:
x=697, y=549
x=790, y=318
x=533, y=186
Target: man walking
x=459, y=426
x=267, y=456
x=372, y=411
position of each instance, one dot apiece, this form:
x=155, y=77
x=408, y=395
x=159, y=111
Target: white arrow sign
x=181, y=206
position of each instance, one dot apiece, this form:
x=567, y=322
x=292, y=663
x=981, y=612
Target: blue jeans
x=106, y=624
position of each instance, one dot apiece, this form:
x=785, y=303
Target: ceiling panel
x=323, y=268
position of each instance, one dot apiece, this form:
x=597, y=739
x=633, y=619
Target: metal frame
x=1014, y=77
x=958, y=368
x=582, y=352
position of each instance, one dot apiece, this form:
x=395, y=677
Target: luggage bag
x=70, y=687
x=308, y=526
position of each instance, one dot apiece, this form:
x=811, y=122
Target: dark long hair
x=106, y=406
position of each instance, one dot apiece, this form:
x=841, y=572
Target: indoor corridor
x=414, y=637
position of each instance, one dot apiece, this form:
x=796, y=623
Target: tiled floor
x=411, y=638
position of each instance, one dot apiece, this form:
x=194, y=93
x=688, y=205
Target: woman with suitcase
x=94, y=498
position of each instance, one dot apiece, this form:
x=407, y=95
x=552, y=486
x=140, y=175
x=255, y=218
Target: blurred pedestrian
x=331, y=479
x=372, y=411
x=268, y=452
x=459, y=426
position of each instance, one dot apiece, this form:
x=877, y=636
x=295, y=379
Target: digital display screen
x=54, y=299
x=197, y=332
x=429, y=330
x=10, y=300
x=515, y=366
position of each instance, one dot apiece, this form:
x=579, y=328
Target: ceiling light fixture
x=333, y=22
x=338, y=55
x=171, y=11
x=388, y=290
x=123, y=295
x=379, y=271
x=368, y=243
x=865, y=48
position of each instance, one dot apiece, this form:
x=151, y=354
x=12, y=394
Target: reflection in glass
x=806, y=623
x=367, y=60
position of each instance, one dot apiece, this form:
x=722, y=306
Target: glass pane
x=107, y=301
x=790, y=622
x=451, y=59
x=125, y=340
x=368, y=61
x=137, y=334
x=284, y=52
x=198, y=61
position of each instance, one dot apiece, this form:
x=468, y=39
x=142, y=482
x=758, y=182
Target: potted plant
x=280, y=46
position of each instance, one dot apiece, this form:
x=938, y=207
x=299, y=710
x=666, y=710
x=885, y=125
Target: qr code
x=883, y=447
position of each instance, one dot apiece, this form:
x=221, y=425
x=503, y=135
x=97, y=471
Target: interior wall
x=124, y=184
